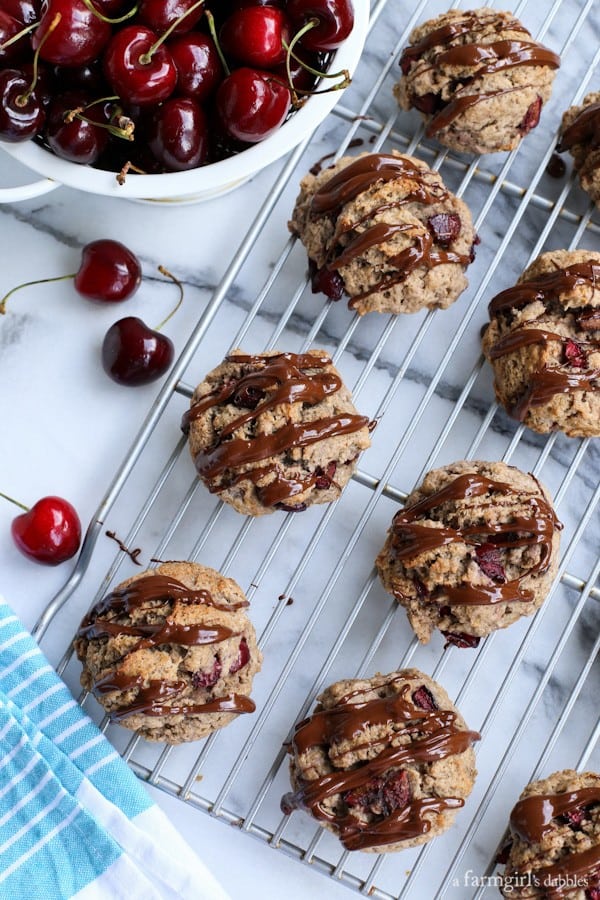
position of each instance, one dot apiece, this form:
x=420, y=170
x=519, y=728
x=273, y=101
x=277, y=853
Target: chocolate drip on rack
x=286, y=378
x=405, y=818
x=485, y=58
x=360, y=176
x=548, y=381
x=411, y=539
x=532, y=820
x=151, y=593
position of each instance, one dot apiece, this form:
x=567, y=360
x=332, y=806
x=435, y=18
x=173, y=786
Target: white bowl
x=205, y=182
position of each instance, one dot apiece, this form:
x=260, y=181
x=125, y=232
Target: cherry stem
x=166, y=272
x=145, y=58
x=344, y=74
x=22, y=99
x=128, y=167
x=103, y=18
x=30, y=284
x=213, y=33
x=17, y=37
x=16, y=502
x=124, y=130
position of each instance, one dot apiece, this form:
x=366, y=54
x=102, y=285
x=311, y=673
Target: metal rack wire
x=331, y=619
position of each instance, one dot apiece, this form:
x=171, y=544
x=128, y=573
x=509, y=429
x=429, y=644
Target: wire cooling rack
x=317, y=606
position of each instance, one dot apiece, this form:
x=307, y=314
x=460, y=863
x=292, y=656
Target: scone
x=384, y=763
x=555, y=839
x=543, y=343
x=275, y=431
x=478, y=77
x=383, y=229
x=474, y=549
x=170, y=653
x=580, y=135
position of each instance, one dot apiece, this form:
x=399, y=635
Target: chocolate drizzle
x=533, y=819
x=358, y=177
x=151, y=593
x=439, y=738
x=286, y=379
x=486, y=58
x=411, y=538
x=584, y=129
x=548, y=381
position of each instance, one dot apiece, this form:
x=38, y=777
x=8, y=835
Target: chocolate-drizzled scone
x=478, y=77
x=580, y=135
x=275, y=431
x=474, y=549
x=383, y=229
x=543, y=342
x=171, y=653
x=555, y=839
x=384, y=763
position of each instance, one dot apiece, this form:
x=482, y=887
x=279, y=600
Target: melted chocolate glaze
x=485, y=58
x=532, y=819
x=410, y=538
x=584, y=129
x=286, y=377
x=548, y=381
x=360, y=176
x=439, y=738
x=153, y=592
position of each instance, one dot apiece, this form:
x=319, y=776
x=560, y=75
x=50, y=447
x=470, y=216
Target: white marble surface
x=66, y=428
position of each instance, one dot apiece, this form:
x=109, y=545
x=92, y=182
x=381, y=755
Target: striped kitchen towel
x=74, y=820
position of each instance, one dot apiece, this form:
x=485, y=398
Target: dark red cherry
x=21, y=115
x=178, y=134
x=109, y=271
x=244, y=4
x=49, y=532
x=137, y=74
x=85, y=78
x=255, y=36
x=15, y=53
x=78, y=38
x=134, y=354
x=199, y=69
x=335, y=21
x=252, y=104
x=161, y=14
x=113, y=8
x=302, y=78
x=76, y=139
x=25, y=11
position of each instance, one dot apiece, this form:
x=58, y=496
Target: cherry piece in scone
x=79, y=37
x=109, y=271
x=139, y=70
x=255, y=36
x=333, y=20
x=49, y=532
x=199, y=69
x=134, y=354
x=21, y=112
x=178, y=134
x=252, y=104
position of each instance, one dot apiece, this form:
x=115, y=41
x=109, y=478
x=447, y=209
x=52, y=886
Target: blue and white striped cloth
x=74, y=820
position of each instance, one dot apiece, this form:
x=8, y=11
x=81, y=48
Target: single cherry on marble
x=134, y=354
x=49, y=532
x=109, y=272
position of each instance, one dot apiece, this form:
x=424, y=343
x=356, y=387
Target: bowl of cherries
x=172, y=100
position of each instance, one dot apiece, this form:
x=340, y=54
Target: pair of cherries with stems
x=132, y=354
